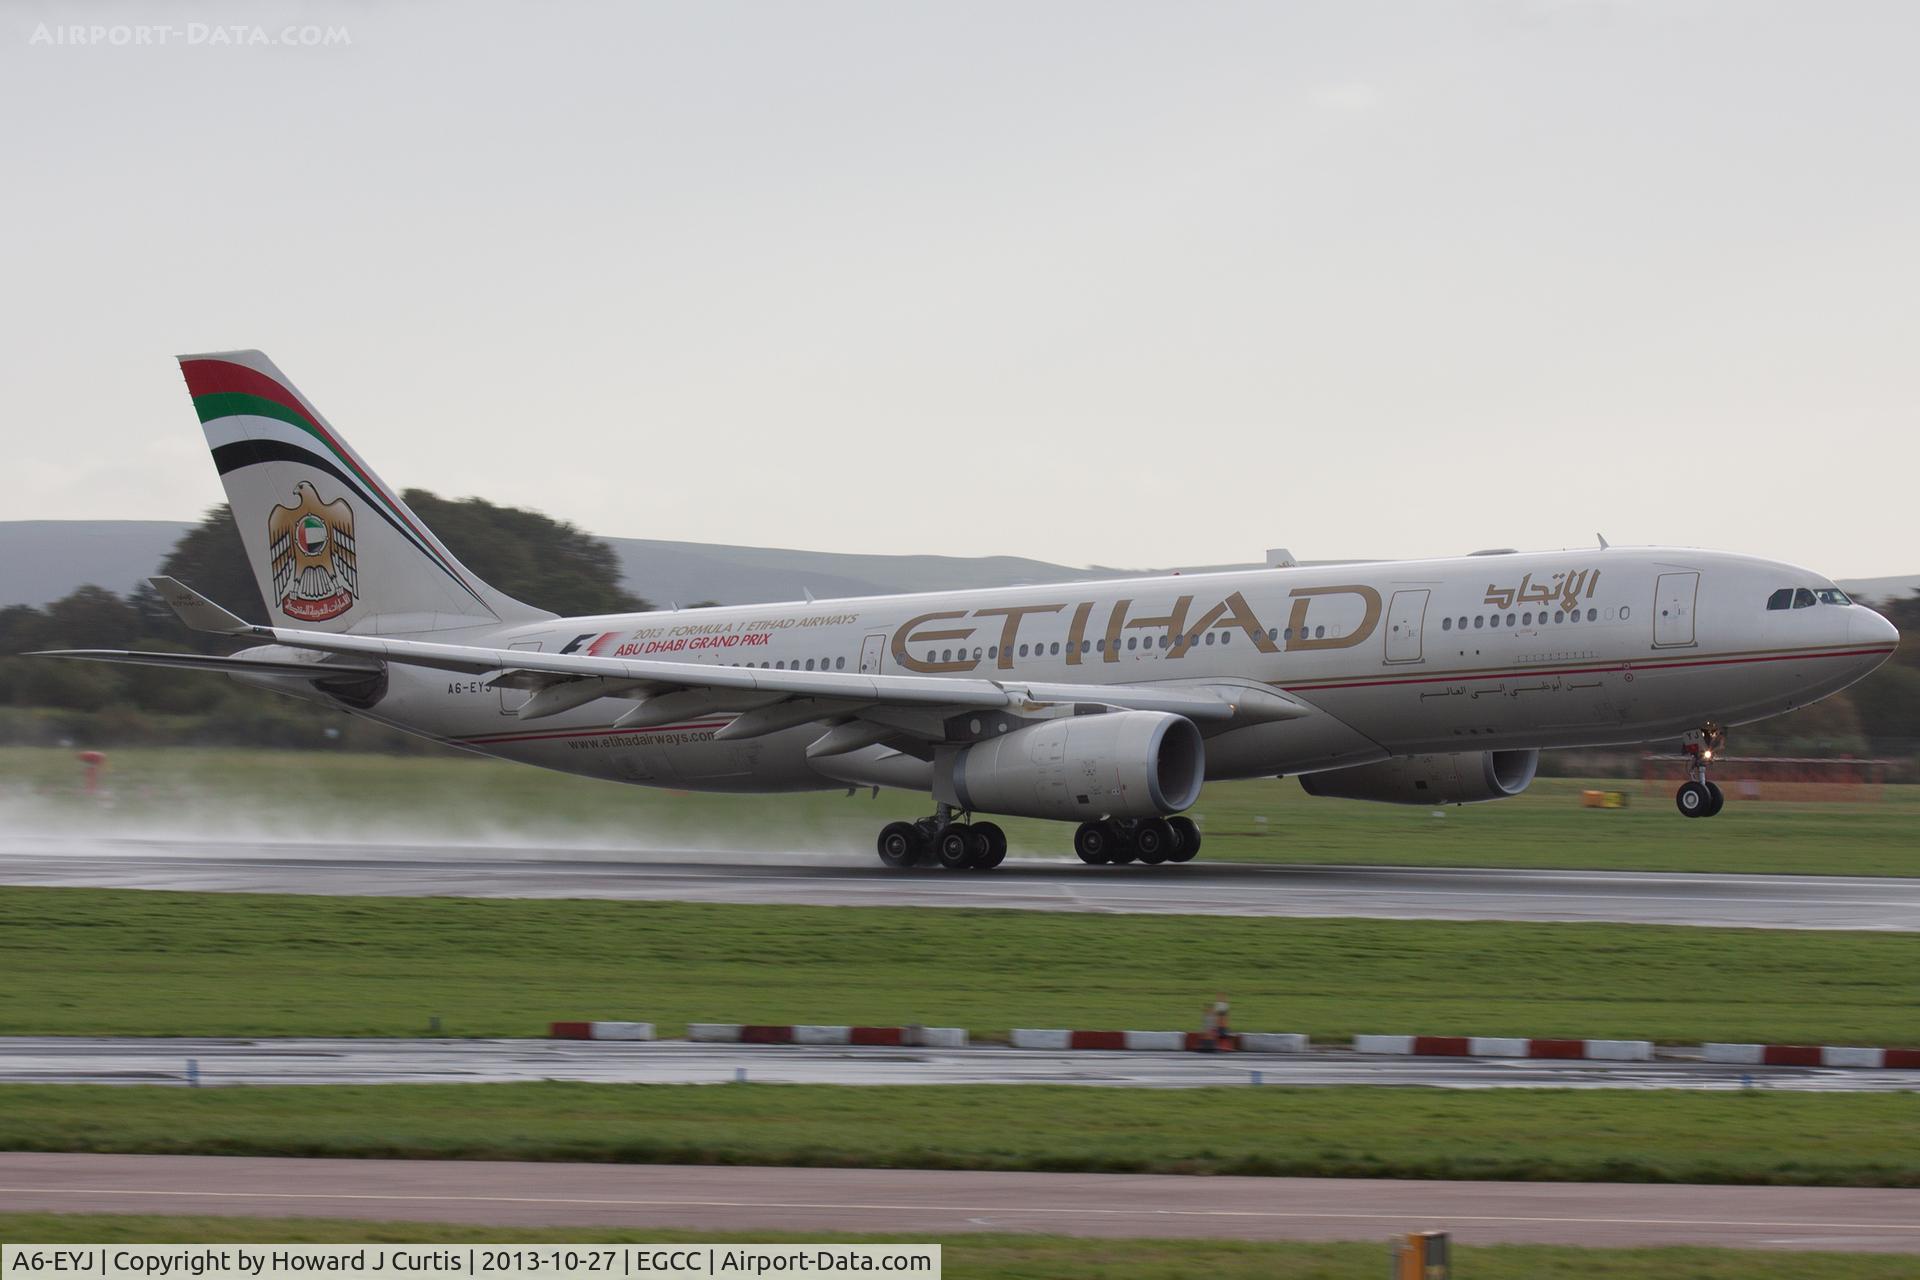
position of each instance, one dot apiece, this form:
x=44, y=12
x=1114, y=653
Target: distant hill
x=43, y=560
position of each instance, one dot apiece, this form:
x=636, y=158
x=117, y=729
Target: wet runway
x=117, y=1060
x=394, y=869
x=933, y=1203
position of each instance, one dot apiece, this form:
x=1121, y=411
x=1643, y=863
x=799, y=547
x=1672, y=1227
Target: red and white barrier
x=1506, y=1047
x=601, y=1031
x=1152, y=1041
x=751, y=1033
x=1810, y=1055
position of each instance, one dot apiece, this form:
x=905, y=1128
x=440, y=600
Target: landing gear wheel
x=1719, y=800
x=996, y=845
x=1186, y=839
x=961, y=847
x=1122, y=848
x=1694, y=800
x=1155, y=841
x=900, y=844
x=1094, y=842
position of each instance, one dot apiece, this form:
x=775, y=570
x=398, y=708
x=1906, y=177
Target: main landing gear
x=1148, y=840
x=957, y=846
x=1698, y=797
x=947, y=841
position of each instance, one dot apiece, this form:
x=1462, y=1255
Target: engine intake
x=1118, y=764
x=1460, y=777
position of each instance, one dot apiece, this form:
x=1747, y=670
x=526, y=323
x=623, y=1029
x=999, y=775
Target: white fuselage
x=1505, y=651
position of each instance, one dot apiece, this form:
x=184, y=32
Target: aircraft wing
x=769, y=699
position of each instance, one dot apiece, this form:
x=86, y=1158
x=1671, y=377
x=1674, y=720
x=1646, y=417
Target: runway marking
x=1397, y=1216
x=975, y=888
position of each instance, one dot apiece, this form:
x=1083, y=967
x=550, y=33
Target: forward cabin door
x=1406, y=619
x=1673, y=597
x=870, y=650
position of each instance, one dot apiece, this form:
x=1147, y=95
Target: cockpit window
x=1781, y=599
x=1832, y=595
x=1802, y=598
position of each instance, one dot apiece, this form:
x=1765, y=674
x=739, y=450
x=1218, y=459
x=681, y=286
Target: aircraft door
x=1406, y=620
x=1673, y=600
x=511, y=700
x=870, y=650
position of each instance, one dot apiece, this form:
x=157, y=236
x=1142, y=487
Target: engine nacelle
x=1118, y=764
x=1458, y=777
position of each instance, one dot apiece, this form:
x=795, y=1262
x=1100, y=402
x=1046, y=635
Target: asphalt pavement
x=934, y=1203
x=215, y=1062
x=1200, y=888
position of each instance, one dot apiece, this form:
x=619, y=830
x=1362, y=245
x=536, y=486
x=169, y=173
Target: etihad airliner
x=1102, y=704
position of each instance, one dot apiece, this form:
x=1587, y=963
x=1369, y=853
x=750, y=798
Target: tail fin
x=332, y=547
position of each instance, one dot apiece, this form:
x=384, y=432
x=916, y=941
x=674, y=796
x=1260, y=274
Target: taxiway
x=934, y=1203
x=120, y=1060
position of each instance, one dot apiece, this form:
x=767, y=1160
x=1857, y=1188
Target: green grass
x=290, y=794
x=1027, y=1257
x=130, y=962
x=1598, y=1135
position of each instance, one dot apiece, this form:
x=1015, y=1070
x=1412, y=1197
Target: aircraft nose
x=1868, y=628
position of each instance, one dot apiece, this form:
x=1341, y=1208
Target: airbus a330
x=1101, y=704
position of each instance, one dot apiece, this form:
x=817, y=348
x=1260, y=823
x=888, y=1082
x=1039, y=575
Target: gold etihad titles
x=1182, y=627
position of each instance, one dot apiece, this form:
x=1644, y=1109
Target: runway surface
x=115, y=1060
x=389, y=869
x=935, y=1204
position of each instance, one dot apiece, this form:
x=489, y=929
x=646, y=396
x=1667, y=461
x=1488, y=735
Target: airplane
x=1105, y=704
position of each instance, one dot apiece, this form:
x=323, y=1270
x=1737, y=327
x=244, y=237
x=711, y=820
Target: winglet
x=1603, y=540
x=199, y=612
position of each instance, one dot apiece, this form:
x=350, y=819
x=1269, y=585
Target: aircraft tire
x=959, y=847
x=1154, y=840
x=1719, y=799
x=1186, y=842
x=900, y=845
x=996, y=842
x=1093, y=842
x=1693, y=800
x=1122, y=849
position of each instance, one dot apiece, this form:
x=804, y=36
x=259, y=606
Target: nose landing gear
x=1698, y=797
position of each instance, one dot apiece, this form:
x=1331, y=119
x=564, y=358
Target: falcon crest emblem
x=315, y=570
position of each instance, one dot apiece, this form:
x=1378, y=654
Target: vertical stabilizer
x=332, y=547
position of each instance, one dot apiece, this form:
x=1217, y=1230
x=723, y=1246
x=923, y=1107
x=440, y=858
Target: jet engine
x=1117, y=764
x=1459, y=777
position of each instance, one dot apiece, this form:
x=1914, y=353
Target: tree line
x=545, y=562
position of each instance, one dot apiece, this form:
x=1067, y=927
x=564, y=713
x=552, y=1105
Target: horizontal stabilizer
x=197, y=611
x=211, y=662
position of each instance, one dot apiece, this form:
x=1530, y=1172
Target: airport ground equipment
x=1423, y=1255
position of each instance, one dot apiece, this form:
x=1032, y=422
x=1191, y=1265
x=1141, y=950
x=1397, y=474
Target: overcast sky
x=1105, y=283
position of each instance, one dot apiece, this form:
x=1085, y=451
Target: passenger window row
x=1806, y=597
x=1053, y=649
x=1481, y=621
